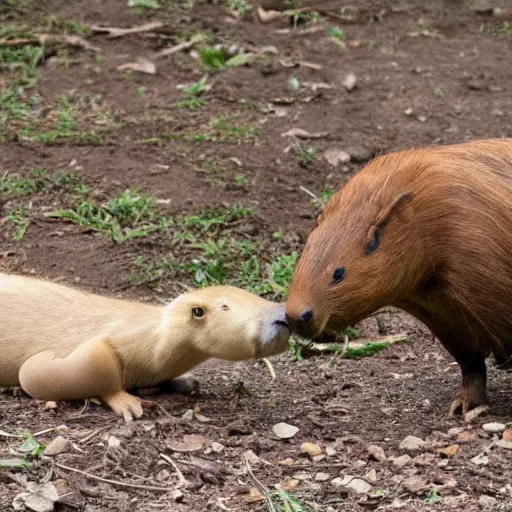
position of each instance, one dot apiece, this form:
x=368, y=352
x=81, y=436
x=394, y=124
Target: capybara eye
x=198, y=312
x=374, y=244
x=338, y=275
x=224, y=307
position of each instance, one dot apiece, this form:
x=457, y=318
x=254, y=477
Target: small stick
x=270, y=368
x=114, y=32
x=179, y=47
x=261, y=487
x=88, y=437
x=308, y=192
x=115, y=482
x=183, y=480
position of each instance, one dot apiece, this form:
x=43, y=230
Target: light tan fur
x=60, y=343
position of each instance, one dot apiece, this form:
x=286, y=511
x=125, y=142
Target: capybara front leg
x=92, y=370
x=124, y=404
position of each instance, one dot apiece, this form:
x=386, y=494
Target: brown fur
x=444, y=215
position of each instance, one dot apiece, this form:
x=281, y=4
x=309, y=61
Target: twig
x=179, y=47
x=115, y=482
x=270, y=368
x=308, y=192
x=183, y=480
x=52, y=38
x=88, y=437
x=114, y=32
x=262, y=488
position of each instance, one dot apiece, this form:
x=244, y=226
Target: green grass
x=141, y=6
x=12, y=185
x=128, y=215
x=212, y=253
x=433, y=497
x=216, y=59
x=337, y=33
x=20, y=220
x=505, y=30
x=307, y=155
x=192, y=93
x=240, y=7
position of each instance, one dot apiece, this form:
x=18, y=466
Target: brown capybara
x=428, y=231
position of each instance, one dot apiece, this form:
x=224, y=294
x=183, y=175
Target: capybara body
x=428, y=231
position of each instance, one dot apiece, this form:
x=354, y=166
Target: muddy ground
x=77, y=130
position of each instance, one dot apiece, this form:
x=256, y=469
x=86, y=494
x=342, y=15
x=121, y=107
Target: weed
x=29, y=449
x=227, y=129
x=126, y=216
x=140, y=6
x=433, y=496
x=337, y=33
x=141, y=90
x=192, y=92
x=240, y=7
x=15, y=185
x=191, y=103
x=20, y=220
x=307, y=155
x=285, y=502
x=505, y=30
x=325, y=196
x=218, y=58
x=240, y=181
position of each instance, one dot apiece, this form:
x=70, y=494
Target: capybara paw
x=186, y=385
x=125, y=405
x=472, y=414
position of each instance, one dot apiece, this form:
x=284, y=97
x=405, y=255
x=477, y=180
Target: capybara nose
x=307, y=316
x=304, y=325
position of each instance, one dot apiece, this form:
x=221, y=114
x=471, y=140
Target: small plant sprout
x=307, y=155
x=192, y=93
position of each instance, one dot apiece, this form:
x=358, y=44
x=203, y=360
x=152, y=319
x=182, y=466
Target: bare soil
x=427, y=73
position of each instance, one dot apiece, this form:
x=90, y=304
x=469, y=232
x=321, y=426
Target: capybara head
x=230, y=323
x=353, y=261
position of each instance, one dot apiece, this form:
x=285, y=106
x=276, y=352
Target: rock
x=322, y=477
x=455, y=431
x=290, y=485
x=163, y=475
x=330, y=451
x=415, y=484
x=284, y=431
x=190, y=443
x=57, y=446
x=302, y=477
x=409, y=111
x=349, y=82
x=351, y=484
x=371, y=476
x=359, y=464
x=216, y=447
x=412, y=444
x=311, y=449
x=424, y=459
x=486, y=501
x=507, y=435
x=188, y=416
x=50, y=405
x=401, y=461
x=449, y=451
x=494, y=428
x=466, y=437
x=336, y=156
x=421, y=119
x=358, y=154
x=113, y=442
x=480, y=460
x=504, y=444
x=177, y=495
x=377, y=453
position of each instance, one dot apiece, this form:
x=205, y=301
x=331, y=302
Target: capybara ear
x=374, y=231
x=385, y=215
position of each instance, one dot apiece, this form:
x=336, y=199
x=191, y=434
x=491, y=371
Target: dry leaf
x=268, y=16
x=449, y=451
x=190, y=443
x=507, y=435
x=255, y=495
x=284, y=431
x=142, y=65
x=290, y=485
x=39, y=498
x=311, y=449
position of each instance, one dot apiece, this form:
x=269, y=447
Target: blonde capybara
x=428, y=231
x=60, y=343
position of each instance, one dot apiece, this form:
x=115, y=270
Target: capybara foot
x=184, y=385
x=471, y=403
x=124, y=404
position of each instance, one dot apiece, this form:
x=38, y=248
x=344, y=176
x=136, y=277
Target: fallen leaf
x=39, y=498
x=284, y=430
x=303, y=134
x=13, y=463
x=311, y=449
x=290, y=485
x=376, y=452
x=190, y=443
x=57, y=446
x=268, y=16
x=142, y=65
x=255, y=495
x=415, y=484
x=449, y=451
x=507, y=435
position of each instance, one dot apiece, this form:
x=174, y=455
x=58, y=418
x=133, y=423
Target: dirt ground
x=425, y=73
